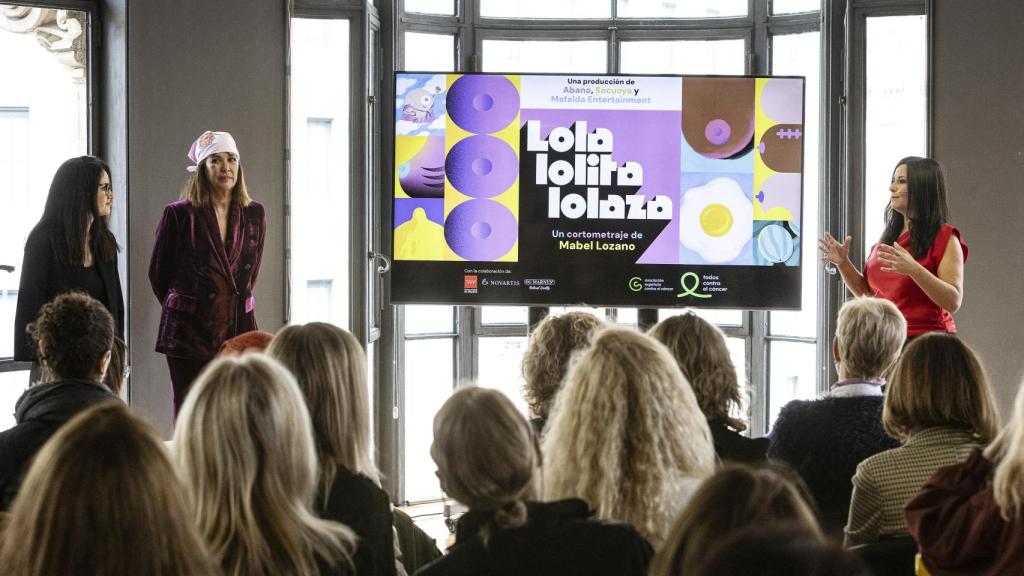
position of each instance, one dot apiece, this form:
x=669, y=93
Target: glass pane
x=895, y=123
x=723, y=317
x=793, y=375
x=12, y=385
x=431, y=6
x=500, y=361
x=685, y=9
x=429, y=380
x=320, y=171
x=738, y=353
x=546, y=9
x=429, y=319
x=684, y=57
x=793, y=6
x=504, y=314
x=799, y=55
x=429, y=52
x=576, y=56
x=626, y=316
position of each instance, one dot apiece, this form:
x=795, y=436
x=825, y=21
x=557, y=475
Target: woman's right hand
x=832, y=251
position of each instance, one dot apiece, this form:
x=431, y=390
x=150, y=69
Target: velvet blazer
x=43, y=278
x=204, y=285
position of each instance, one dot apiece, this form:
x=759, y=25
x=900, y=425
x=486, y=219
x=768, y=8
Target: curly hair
x=552, y=345
x=699, y=349
x=626, y=434
x=72, y=332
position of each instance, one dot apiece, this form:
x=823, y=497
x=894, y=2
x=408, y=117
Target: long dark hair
x=926, y=188
x=71, y=200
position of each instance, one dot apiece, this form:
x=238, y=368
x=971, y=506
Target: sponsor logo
x=636, y=284
x=689, y=282
x=470, y=283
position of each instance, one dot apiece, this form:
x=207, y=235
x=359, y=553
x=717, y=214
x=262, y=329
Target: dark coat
x=40, y=411
x=204, y=289
x=731, y=446
x=824, y=440
x=43, y=278
x=358, y=503
x=559, y=539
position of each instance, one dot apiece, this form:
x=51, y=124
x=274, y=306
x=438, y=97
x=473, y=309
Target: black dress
x=558, y=539
x=43, y=278
x=731, y=446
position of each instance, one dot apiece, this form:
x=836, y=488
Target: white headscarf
x=210, y=143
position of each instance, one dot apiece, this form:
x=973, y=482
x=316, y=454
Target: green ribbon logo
x=691, y=289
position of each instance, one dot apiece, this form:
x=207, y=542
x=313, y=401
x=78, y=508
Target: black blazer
x=43, y=278
x=732, y=446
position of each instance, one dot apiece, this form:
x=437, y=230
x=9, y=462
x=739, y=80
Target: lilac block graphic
x=782, y=100
x=433, y=208
x=481, y=230
x=482, y=104
x=481, y=166
x=782, y=190
x=423, y=176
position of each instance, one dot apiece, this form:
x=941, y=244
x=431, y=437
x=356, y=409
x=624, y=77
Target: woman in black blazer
x=71, y=248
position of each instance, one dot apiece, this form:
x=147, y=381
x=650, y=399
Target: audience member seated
x=330, y=367
x=73, y=335
x=700, y=351
x=824, y=440
x=117, y=370
x=626, y=435
x=784, y=550
x=939, y=405
x=553, y=343
x=734, y=498
x=102, y=498
x=488, y=459
x=244, y=448
x=968, y=518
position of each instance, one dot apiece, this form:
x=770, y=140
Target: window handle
x=6, y=268
x=383, y=262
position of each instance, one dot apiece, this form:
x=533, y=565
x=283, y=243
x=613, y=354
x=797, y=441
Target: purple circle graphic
x=481, y=230
x=481, y=166
x=482, y=104
x=717, y=132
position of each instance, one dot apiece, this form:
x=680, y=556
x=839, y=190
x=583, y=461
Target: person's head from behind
x=106, y=471
x=732, y=499
x=73, y=334
x=77, y=206
x=553, y=343
x=486, y=454
x=252, y=341
x=939, y=382
x=244, y=448
x=330, y=367
x=626, y=433
x=869, y=337
x=117, y=370
x=778, y=550
x=1007, y=451
x=699, y=349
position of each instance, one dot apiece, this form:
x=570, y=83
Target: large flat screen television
x=600, y=190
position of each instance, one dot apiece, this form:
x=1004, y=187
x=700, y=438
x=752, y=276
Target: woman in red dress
x=918, y=263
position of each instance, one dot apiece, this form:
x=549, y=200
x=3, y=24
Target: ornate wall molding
x=61, y=32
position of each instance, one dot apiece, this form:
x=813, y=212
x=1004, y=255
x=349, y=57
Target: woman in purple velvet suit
x=207, y=255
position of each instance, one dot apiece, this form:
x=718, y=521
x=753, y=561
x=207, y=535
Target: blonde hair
x=939, y=381
x=699, y=349
x=244, y=447
x=869, y=333
x=734, y=498
x=330, y=367
x=486, y=455
x=626, y=433
x=105, y=468
x=1007, y=451
x=552, y=344
x=199, y=190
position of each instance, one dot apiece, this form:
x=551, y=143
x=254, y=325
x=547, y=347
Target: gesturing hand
x=896, y=258
x=832, y=251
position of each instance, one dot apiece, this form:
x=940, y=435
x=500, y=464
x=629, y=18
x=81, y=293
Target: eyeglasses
x=107, y=189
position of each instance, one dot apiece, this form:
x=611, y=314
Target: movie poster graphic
x=601, y=190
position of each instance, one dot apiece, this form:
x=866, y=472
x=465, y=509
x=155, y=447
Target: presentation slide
x=599, y=190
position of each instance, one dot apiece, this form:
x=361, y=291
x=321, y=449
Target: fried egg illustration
x=716, y=220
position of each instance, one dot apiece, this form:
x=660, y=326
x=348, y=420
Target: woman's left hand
x=896, y=258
